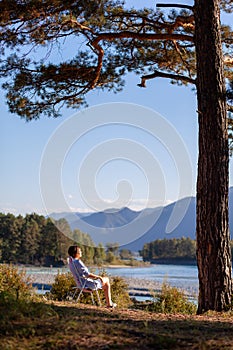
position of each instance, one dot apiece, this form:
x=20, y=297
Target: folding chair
x=81, y=283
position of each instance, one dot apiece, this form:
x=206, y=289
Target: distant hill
x=69, y=216
x=132, y=229
x=110, y=218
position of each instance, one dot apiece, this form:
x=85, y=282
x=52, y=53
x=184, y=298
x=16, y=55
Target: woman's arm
x=95, y=277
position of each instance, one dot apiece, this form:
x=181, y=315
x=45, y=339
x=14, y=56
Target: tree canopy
x=34, y=239
x=97, y=43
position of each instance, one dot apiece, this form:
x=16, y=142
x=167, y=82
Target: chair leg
x=98, y=297
x=79, y=296
x=92, y=298
x=73, y=295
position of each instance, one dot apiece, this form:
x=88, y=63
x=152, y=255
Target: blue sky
x=24, y=147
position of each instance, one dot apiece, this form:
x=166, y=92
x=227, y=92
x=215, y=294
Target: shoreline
x=133, y=283
x=137, y=287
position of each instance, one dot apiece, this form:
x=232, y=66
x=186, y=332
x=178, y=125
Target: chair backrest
x=74, y=272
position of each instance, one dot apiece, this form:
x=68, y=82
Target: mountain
x=132, y=229
x=69, y=216
x=111, y=218
x=159, y=230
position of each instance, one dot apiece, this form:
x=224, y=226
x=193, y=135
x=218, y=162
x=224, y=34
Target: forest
x=37, y=240
x=178, y=249
x=34, y=239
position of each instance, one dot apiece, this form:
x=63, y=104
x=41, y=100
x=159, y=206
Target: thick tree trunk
x=212, y=231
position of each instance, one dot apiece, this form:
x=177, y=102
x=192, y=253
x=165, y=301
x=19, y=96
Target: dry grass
x=70, y=326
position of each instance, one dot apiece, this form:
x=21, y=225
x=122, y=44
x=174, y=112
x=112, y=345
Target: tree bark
x=212, y=227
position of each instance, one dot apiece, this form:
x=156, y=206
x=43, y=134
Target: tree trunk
x=212, y=229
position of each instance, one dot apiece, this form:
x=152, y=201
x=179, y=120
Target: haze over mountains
x=132, y=229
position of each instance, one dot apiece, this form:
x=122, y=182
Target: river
x=151, y=277
x=181, y=276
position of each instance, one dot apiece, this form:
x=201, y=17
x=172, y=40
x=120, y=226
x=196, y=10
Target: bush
x=172, y=300
x=18, y=300
x=62, y=287
x=14, y=284
x=119, y=289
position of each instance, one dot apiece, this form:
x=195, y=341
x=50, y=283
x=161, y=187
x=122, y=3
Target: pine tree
x=176, y=46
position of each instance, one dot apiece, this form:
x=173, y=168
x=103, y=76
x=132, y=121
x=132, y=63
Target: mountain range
x=132, y=229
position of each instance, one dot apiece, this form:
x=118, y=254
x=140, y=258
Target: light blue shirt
x=81, y=273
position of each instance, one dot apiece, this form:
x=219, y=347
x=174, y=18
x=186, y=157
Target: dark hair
x=72, y=251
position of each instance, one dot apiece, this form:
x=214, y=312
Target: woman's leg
x=107, y=291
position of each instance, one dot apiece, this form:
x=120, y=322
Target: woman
x=92, y=280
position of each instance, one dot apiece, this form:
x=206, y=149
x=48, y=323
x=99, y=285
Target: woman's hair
x=72, y=251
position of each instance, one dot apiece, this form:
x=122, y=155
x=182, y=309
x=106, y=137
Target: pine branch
x=188, y=7
x=140, y=36
x=181, y=56
x=158, y=74
x=100, y=53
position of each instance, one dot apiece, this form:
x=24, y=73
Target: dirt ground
x=69, y=326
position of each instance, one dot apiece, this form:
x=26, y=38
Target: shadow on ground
x=76, y=327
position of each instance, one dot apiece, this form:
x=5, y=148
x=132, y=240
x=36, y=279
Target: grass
x=70, y=326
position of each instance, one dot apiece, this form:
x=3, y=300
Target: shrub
x=172, y=300
x=18, y=300
x=14, y=284
x=119, y=289
x=62, y=287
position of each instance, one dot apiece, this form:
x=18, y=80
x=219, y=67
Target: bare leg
x=107, y=291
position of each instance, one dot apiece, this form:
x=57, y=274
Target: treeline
x=176, y=248
x=37, y=240
x=182, y=249
x=34, y=239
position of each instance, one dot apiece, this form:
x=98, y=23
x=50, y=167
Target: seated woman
x=92, y=281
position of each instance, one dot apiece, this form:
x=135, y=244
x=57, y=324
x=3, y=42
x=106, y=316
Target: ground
x=69, y=326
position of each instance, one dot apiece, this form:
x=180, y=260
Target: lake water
x=181, y=276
